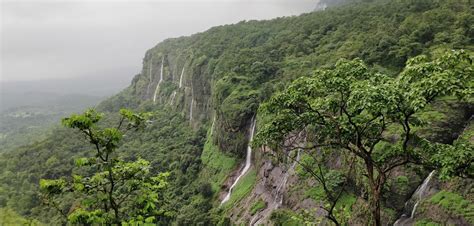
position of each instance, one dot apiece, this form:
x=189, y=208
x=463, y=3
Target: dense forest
x=362, y=115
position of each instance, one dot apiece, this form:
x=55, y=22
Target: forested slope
x=219, y=77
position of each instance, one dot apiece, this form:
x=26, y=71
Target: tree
x=109, y=189
x=332, y=182
x=451, y=160
x=352, y=109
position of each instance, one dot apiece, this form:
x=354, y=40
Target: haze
x=84, y=40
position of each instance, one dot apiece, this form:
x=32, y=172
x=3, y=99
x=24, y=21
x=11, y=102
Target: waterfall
x=173, y=95
x=277, y=196
x=420, y=191
x=181, y=78
x=212, y=126
x=248, y=162
x=191, y=110
x=161, y=70
x=191, y=106
x=161, y=80
x=282, y=185
x=419, y=194
x=150, y=76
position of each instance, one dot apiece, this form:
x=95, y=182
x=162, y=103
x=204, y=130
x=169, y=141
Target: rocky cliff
x=227, y=71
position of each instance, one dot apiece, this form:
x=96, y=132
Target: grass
x=217, y=165
x=468, y=133
x=426, y=222
x=346, y=201
x=343, y=208
x=430, y=114
x=285, y=217
x=243, y=187
x=434, y=115
x=455, y=204
x=316, y=193
x=259, y=205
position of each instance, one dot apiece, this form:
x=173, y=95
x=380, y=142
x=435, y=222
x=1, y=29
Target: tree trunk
x=375, y=207
x=375, y=188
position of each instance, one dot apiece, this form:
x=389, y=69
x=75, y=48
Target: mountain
x=205, y=90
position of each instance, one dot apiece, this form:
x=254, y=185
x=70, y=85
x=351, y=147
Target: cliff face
x=171, y=78
x=226, y=72
x=185, y=81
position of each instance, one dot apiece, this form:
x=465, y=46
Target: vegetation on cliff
x=226, y=73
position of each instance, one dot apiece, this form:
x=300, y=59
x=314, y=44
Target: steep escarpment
x=224, y=74
x=206, y=88
x=228, y=70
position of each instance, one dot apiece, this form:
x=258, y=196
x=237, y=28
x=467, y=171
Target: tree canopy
x=108, y=190
x=352, y=108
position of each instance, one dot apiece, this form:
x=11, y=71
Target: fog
x=42, y=40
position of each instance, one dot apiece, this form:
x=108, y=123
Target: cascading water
x=421, y=191
x=173, y=95
x=248, y=163
x=277, y=196
x=159, y=81
x=419, y=194
x=191, y=106
x=181, y=78
x=161, y=70
x=191, y=110
x=212, y=126
x=150, y=77
x=282, y=185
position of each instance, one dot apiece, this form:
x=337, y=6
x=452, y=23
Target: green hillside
x=213, y=84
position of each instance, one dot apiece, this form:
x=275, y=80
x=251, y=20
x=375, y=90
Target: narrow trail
x=248, y=163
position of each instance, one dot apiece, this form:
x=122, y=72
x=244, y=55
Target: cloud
x=65, y=39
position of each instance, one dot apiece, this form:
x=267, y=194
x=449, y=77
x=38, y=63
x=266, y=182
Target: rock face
x=427, y=188
x=248, y=163
x=185, y=82
x=271, y=188
x=176, y=83
x=274, y=196
x=206, y=76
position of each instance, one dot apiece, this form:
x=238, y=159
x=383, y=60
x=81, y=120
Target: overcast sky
x=69, y=39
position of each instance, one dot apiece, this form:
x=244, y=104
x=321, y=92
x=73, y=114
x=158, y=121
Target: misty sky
x=90, y=39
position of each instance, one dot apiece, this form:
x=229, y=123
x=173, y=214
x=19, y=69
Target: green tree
x=352, y=109
x=451, y=160
x=108, y=190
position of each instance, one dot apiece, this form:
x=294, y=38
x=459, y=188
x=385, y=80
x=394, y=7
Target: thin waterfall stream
x=419, y=194
x=212, y=125
x=150, y=76
x=277, y=195
x=191, y=110
x=191, y=106
x=181, y=78
x=159, y=81
x=173, y=95
x=248, y=163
